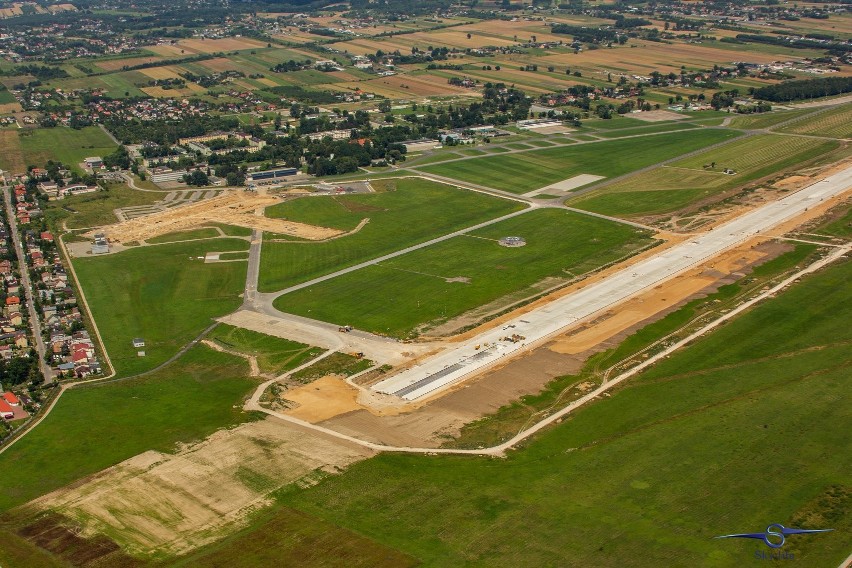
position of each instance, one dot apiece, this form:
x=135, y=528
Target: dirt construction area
x=238, y=208
x=431, y=423
x=172, y=503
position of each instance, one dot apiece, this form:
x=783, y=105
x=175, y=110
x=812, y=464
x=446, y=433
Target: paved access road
x=24, y=269
x=472, y=356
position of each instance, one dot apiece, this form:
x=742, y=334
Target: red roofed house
x=13, y=301
x=10, y=397
x=6, y=411
x=46, y=236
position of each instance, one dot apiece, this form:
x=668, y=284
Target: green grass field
x=292, y=538
x=274, y=354
x=162, y=294
x=679, y=184
x=647, y=129
x=202, y=233
x=615, y=123
x=335, y=364
x=65, y=145
x=233, y=230
x=759, y=155
x=739, y=430
x=97, y=426
x=415, y=211
x=399, y=296
x=96, y=209
x=6, y=97
x=526, y=171
x=834, y=123
x=767, y=119
x=840, y=227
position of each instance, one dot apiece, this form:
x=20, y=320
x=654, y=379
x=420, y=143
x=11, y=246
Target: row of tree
x=804, y=89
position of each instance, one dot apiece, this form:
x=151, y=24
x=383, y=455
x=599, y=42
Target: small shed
x=138, y=342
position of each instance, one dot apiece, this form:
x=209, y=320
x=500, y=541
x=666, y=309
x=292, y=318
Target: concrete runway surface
x=472, y=356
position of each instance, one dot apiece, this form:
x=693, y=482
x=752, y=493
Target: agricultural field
x=164, y=294
x=11, y=152
x=300, y=540
x=649, y=451
x=65, y=145
x=6, y=97
x=526, y=171
x=682, y=183
x=407, y=295
x=834, y=123
x=397, y=219
x=768, y=119
x=181, y=403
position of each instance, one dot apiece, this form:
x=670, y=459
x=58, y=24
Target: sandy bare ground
x=322, y=399
x=657, y=115
x=231, y=208
x=162, y=503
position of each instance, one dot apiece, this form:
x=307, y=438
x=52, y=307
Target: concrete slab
x=564, y=187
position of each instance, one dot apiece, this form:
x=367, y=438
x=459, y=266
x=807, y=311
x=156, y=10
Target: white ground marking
x=565, y=186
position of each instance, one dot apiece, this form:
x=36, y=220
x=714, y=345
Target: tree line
x=804, y=89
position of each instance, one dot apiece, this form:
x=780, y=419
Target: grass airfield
x=164, y=294
x=646, y=476
x=526, y=171
x=427, y=287
x=404, y=212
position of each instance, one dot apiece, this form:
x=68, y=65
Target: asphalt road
x=23, y=268
x=474, y=355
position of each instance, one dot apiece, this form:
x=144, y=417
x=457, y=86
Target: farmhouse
x=93, y=162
